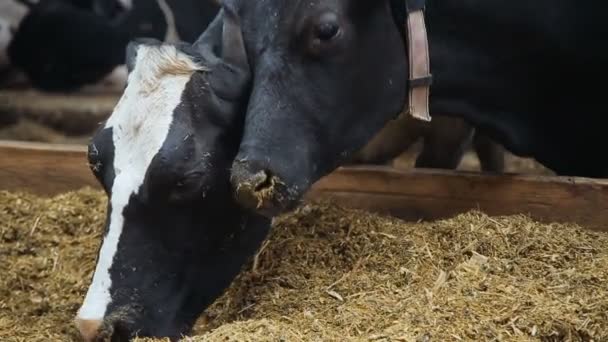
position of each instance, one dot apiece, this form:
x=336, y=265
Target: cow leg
x=394, y=139
x=491, y=154
x=445, y=143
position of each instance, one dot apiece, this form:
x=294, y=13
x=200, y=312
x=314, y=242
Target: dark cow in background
x=175, y=238
x=328, y=75
x=63, y=45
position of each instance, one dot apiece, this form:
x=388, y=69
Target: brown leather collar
x=420, y=77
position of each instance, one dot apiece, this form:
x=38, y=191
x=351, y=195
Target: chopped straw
x=333, y=274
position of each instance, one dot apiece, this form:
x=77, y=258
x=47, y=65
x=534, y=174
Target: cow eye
x=96, y=163
x=187, y=188
x=94, y=157
x=325, y=32
x=328, y=27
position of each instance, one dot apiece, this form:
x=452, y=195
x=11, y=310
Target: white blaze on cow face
x=140, y=123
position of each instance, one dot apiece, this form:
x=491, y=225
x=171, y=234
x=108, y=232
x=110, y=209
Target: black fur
x=184, y=237
x=62, y=45
x=523, y=72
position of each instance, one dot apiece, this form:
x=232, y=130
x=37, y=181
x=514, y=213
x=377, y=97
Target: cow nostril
x=250, y=190
x=120, y=333
x=88, y=328
x=255, y=188
x=262, y=180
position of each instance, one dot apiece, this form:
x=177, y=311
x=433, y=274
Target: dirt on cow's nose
x=257, y=190
x=88, y=328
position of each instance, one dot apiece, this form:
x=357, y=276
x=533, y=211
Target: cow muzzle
x=113, y=329
x=259, y=189
x=88, y=328
x=125, y=323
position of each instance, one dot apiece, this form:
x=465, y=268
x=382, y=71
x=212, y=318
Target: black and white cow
x=328, y=75
x=63, y=45
x=175, y=238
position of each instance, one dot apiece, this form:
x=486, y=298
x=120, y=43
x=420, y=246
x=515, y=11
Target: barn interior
x=330, y=270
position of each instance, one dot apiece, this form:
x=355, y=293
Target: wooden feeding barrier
x=68, y=113
x=412, y=194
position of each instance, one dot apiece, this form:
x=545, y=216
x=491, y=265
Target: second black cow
x=63, y=45
x=329, y=75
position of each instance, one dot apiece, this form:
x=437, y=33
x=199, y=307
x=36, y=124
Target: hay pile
x=332, y=274
x=47, y=251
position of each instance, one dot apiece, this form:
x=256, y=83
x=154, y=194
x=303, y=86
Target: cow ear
x=208, y=45
x=131, y=55
x=133, y=46
x=231, y=76
x=233, y=45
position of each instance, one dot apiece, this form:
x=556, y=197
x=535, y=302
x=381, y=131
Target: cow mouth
x=262, y=191
x=128, y=322
x=117, y=326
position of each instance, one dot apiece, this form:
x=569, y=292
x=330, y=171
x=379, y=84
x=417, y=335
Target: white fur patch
x=11, y=15
x=13, y=12
x=140, y=122
x=126, y=4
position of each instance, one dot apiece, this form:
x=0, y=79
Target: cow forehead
x=140, y=124
x=142, y=117
x=279, y=17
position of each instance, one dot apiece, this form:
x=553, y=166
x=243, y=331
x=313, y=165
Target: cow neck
x=409, y=16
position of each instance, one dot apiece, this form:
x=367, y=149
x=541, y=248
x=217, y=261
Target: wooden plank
x=432, y=194
x=410, y=194
x=43, y=169
x=72, y=114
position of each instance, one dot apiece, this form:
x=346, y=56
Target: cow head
x=174, y=237
x=328, y=75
